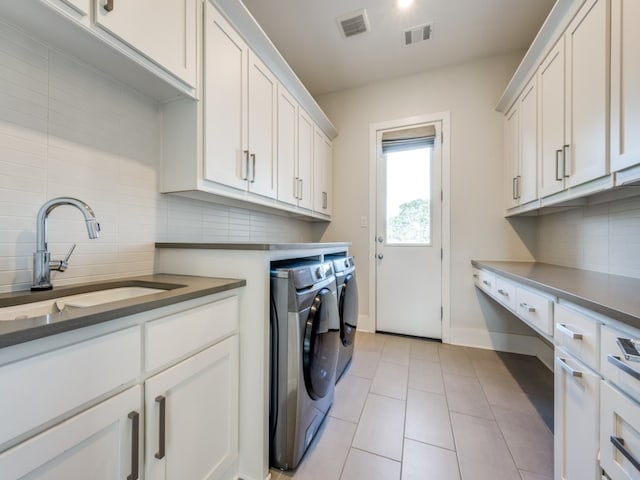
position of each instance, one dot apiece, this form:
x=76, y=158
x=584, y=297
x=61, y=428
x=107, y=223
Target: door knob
x=380, y=256
x=380, y=239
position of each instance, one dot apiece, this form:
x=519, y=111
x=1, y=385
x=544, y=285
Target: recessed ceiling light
x=404, y=3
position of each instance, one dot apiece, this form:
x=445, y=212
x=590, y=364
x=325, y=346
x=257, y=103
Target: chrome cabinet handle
x=253, y=167
x=513, y=189
x=135, y=445
x=558, y=177
x=161, y=427
x=565, y=366
x=566, y=154
x=502, y=292
x=568, y=332
x=245, y=165
x=527, y=307
x=301, y=183
x=486, y=283
x=518, y=194
x=108, y=6
x=618, y=442
x=617, y=362
x=324, y=200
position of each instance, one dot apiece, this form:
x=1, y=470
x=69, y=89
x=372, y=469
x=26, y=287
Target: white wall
x=478, y=230
x=67, y=129
x=604, y=238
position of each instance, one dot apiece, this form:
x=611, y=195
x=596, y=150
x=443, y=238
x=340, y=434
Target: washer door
x=348, y=310
x=320, y=349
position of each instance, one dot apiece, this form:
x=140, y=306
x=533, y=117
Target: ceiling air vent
x=354, y=23
x=418, y=34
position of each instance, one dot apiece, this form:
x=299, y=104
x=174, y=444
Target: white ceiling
x=306, y=34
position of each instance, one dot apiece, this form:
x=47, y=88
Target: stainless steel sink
x=68, y=302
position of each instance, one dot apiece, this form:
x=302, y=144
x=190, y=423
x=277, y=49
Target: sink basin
x=57, y=305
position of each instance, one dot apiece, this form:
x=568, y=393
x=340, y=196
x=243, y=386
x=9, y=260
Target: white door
x=408, y=239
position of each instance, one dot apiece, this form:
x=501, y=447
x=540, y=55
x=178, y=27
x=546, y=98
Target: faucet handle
x=62, y=265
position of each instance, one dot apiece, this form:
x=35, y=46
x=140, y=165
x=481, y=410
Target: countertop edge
x=612, y=311
x=191, y=287
x=252, y=246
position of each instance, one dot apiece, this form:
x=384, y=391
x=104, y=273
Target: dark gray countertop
x=614, y=296
x=180, y=288
x=253, y=246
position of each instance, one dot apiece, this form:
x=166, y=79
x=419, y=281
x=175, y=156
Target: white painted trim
x=366, y=324
x=445, y=119
x=504, y=342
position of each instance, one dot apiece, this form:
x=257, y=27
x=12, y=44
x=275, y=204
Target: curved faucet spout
x=42, y=258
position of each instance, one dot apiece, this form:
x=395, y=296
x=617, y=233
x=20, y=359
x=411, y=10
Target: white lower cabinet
x=576, y=408
x=66, y=412
x=102, y=443
x=192, y=416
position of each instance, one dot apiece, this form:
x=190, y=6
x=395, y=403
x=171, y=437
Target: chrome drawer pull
x=565, y=366
x=569, y=333
x=623, y=366
x=502, y=292
x=475, y=275
x=528, y=307
x=618, y=442
x=486, y=283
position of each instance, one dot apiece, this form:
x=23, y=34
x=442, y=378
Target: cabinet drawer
x=619, y=434
x=172, y=337
x=487, y=282
x=578, y=334
x=536, y=309
x=54, y=383
x=506, y=293
x=623, y=372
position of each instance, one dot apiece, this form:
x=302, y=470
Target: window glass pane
x=409, y=196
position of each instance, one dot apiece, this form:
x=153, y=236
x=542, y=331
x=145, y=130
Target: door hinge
x=441, y=312
x=441, y=254
x=442, y=195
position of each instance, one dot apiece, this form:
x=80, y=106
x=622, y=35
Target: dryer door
x=348, y=309
x=320, y=349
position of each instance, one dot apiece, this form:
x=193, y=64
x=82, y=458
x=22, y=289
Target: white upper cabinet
x=263, y=88
x=625, y=79
x=521, y=163
x=225, y=102
x=165, y=31
x=295, y=152
x=76, y=8
x=587, y=95
x=323, y=173
x=551, y=111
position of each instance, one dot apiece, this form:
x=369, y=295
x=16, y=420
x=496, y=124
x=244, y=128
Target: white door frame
x=443, y=117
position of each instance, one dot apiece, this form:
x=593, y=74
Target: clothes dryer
x=305, y=338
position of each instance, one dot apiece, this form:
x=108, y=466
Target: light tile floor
x=411, y=409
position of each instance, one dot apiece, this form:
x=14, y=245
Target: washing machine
x=304, y=347
x=347, y=290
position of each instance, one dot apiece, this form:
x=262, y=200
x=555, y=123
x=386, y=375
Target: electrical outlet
x=364, y=221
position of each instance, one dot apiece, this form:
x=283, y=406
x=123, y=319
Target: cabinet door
x=197, y=438
x=102, y=443
x=288, y=181
x=262, y=128
x=551, y=121
x=305, y=159
x=163, y=31
x=586, y=130
x=322, y=172
x=225, y=102
x=576, y=419
x=77, y=8
x=625, y=78
x=512, y=154
x=528, y=144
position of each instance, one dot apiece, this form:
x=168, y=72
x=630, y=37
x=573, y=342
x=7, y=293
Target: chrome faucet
x=42, y=263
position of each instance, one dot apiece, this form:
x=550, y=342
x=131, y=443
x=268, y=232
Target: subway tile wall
x=66, y=129
x=604, y=238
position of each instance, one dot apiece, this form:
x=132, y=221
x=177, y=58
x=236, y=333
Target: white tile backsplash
x=66, y=129
x=604, y=238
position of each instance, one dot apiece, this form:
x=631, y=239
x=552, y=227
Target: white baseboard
x=504, y=342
